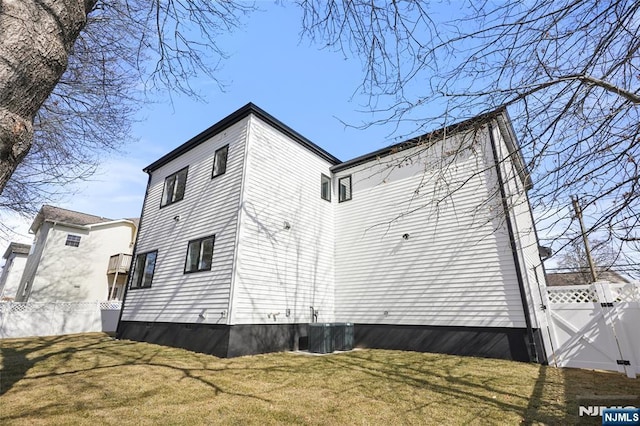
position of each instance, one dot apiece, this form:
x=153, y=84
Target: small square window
x=199, y=255
x=72, y=240
x=174, y=186
x=325, y=187
x=344, y=188
x=220, y=161
x=143, y=269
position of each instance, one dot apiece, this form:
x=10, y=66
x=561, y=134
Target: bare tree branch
x=568, y=70
x=57, y=121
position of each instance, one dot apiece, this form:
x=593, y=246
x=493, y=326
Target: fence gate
x=596, y=326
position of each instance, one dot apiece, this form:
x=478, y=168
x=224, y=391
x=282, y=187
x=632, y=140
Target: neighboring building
x=15, y=259
x=557, y=279
x=249, y=232
x=76, y=257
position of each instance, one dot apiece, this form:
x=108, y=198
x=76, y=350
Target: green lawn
x=94, y=379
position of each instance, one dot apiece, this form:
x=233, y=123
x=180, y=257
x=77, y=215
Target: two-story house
x=250, y=232
x=76, y=257
x=15, y=259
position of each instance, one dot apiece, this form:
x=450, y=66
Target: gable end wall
x=455, y=267
x=283, y=272
x=210, y=207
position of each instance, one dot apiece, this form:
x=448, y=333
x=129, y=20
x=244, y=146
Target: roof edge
x=18, y=248
x=67, y=224
x=506, y=127
x=111, y=222
x=47, y=213
x=232, y=119
x=413, y=142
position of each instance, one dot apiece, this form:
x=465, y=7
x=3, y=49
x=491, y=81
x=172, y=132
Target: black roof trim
x=392, y=149
x=230, y=120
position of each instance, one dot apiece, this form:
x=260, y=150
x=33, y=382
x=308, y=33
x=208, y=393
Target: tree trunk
x=36, y=37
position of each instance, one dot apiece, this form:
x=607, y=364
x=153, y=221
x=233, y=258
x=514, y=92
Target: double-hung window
x=143, y=269
x=325, y=187
x=199, y=254
x=72, y=240
x=220, y=161
x=344, y=188
x=174, y=186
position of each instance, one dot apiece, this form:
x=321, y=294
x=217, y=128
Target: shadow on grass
x=18, y=359
x=21, y=358
x=559, y=392
x=598, y=389
x=537, y=394
x=455, y=382
x=411, y=385
x=543, y=407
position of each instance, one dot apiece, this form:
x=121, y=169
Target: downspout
x=133, y=257
x=531, y=348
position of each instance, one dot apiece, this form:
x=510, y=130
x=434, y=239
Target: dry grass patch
x=93, y=379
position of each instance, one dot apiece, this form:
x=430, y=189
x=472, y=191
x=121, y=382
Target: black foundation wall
x=204, y=338
x=238, y=340
x=220, y=340
x=262, y=338
x=487, y=342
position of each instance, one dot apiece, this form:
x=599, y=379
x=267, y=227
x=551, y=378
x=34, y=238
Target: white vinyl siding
x=456, y=267
x=210, y=207
x=282, y=267
x=423, y=240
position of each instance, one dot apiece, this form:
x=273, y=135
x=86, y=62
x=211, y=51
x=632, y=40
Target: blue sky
x=307, y=88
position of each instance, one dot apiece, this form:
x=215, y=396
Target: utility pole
x=578, y=210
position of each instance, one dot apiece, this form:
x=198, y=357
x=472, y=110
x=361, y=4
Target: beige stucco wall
x=11, y=274
x=67, y=273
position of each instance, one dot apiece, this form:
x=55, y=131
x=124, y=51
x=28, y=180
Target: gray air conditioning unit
x=321, y=338
x=343, y=336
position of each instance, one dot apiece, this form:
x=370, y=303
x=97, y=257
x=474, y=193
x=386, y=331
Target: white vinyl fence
x=57, y=318
x=596, y=326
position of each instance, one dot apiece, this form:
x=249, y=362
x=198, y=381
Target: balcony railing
x=119, y=263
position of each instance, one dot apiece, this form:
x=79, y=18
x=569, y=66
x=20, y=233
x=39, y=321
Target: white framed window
x=344, y=188
x=199, y=255
x=325, y=187
x=220, y=161
x=143, y=269
x=174, y=186
x=72, y=240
